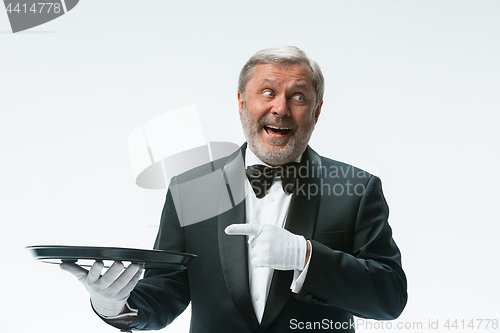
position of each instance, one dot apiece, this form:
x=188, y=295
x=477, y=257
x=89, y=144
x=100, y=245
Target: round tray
x=86, y=255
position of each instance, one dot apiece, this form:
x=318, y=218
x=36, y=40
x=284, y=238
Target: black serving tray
x=86, y=255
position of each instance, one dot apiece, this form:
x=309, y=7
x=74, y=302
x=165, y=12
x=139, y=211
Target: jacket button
x=308, y=297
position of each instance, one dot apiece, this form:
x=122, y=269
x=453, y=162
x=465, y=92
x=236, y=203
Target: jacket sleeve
x=162, y=294
x=369, y=281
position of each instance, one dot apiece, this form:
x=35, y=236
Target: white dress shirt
x=271, y=209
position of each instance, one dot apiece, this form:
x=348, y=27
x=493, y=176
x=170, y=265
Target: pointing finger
x=242, y=229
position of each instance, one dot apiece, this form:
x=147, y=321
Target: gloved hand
x=272, y=246
x=109, y=292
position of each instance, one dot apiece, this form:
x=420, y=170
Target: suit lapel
x=233, y=249
x=304, y=206
x=301, y=220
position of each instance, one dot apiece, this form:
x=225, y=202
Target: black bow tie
x=261, y=177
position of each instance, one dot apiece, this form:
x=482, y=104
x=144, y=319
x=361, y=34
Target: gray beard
x=278, y=154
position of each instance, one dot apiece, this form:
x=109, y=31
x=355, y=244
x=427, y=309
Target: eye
x=299, y=98
x=268, y=93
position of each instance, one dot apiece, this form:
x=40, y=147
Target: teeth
x=278, y=128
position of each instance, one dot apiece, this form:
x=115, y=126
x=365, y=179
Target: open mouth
x=276, y=131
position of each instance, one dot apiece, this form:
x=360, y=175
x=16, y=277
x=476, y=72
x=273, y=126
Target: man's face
x=278, y=112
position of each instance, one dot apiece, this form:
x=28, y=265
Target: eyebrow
x=301, y=84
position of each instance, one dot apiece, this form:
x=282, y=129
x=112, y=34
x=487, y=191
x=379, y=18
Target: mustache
x=270, y=119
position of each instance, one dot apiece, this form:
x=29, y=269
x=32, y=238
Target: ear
x=317, y=112
x=241, y=103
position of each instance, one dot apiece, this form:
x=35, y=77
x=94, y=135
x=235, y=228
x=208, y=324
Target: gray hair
x=284, y=55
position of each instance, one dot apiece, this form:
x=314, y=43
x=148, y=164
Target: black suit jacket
x=355, y=266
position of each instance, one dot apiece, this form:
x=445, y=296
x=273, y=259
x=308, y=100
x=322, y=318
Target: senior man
x=308, y=247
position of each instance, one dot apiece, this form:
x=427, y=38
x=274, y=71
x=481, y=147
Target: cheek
x=256, y=114
x=258, y=105
x=301, y=121
x=305, y=119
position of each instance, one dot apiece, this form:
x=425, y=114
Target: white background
x=412, y=95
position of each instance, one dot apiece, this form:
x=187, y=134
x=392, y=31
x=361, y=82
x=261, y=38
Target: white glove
x=109, y=292
x=272, y=246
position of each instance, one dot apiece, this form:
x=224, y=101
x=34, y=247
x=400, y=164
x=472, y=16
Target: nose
x=280, y=107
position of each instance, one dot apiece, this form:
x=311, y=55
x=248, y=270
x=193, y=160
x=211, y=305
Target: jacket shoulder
x=334, y=170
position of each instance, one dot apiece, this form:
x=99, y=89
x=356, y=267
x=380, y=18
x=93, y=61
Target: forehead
x=292, y=74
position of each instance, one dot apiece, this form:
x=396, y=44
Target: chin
x=276, y=155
